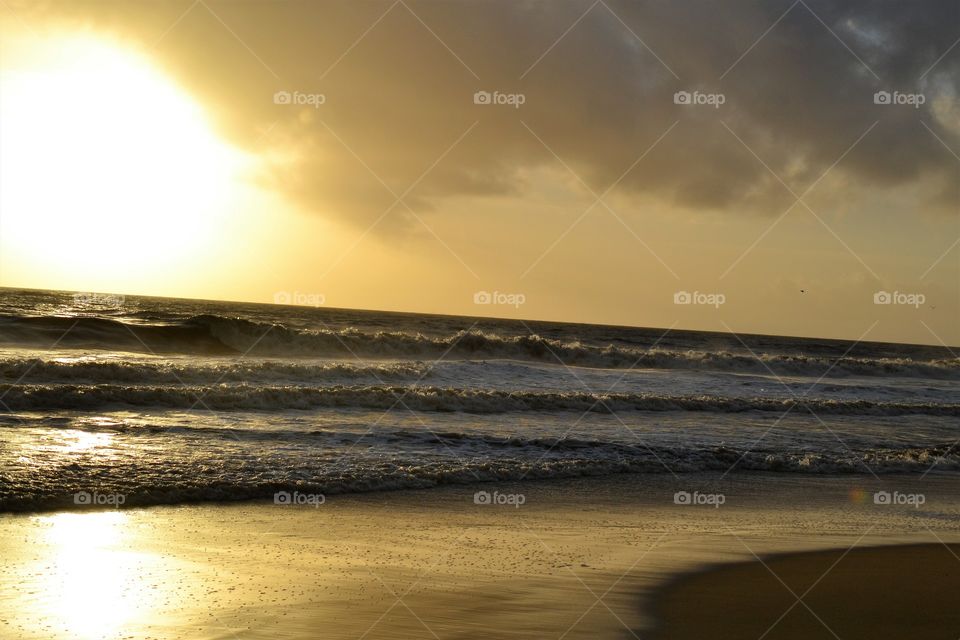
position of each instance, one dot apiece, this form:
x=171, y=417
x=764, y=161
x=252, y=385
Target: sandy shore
x=577, y=559
x=905, y=591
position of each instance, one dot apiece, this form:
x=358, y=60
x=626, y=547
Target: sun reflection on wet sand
x=91, y=580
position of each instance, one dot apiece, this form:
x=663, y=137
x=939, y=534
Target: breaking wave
x=428, y=398
x=212, y=334
x=471, y=459
x=172, y=372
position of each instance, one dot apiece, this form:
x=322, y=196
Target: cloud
x=399, y=117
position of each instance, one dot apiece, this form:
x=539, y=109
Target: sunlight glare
x=90, y=586
x=105, y=162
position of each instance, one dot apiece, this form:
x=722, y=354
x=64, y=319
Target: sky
x=781, y=167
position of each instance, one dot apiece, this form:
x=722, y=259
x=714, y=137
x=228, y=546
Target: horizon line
x=665, y=330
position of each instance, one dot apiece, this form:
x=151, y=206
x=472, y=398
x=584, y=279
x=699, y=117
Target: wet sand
x=907, y=591
x=578, y=559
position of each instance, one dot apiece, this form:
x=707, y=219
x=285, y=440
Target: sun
x=108, y=170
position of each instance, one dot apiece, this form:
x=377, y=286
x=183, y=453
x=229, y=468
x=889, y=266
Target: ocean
x=168, y=401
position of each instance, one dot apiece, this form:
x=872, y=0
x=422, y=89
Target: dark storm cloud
x=400, y=97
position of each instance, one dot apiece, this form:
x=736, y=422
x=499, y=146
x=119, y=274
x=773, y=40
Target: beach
x=192, y=469
x=874, y=592
x=613, y=557
x=585, y=320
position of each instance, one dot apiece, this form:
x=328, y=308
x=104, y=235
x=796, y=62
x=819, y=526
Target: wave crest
x=427, y=398
x=212, y=334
